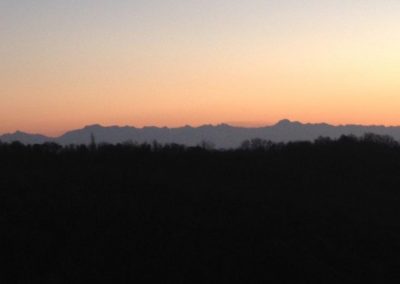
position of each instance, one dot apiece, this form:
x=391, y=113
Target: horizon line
x=250, y=125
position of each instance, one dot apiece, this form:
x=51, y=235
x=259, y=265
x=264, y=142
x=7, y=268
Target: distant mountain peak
x=283, y=122
x=93, y=126
x=22, y=133
x=287, y=122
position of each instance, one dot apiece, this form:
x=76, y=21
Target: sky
x=65, y=64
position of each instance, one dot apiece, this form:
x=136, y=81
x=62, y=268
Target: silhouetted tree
x=256, y=144
x=323, y=140
x=92, y=142
x=207, y=145
x=379, y=139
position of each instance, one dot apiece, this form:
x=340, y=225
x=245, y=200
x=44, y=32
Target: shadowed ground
x=322, y=212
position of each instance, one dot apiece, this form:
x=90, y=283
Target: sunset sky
x=69, y=63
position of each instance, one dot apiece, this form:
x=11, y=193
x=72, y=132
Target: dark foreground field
x=323, y=212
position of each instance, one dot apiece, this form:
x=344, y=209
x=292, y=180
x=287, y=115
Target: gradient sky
x=68, y=63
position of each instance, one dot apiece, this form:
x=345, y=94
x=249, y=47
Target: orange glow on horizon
x=253, y=64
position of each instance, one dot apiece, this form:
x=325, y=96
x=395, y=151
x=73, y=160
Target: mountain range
x=222, y=136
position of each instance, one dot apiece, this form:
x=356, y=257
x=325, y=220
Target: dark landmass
x=305, y=212
x=222, y=136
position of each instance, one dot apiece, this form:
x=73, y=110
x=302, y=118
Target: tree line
x=325, y=211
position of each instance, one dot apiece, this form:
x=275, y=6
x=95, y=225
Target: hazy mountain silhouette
x=25, y=138
x=222, y=136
